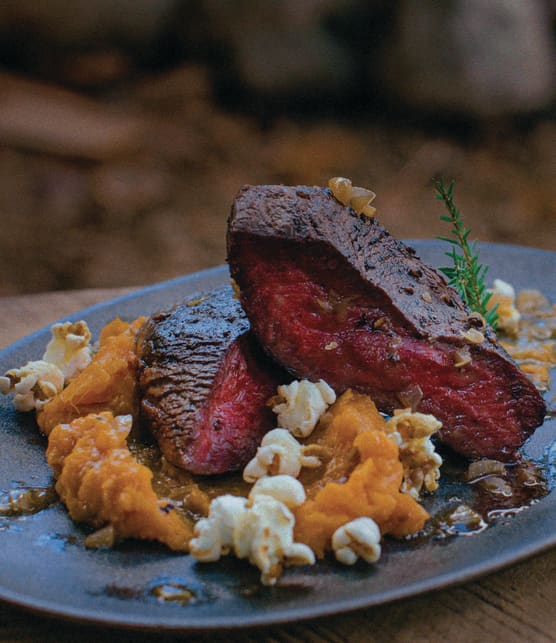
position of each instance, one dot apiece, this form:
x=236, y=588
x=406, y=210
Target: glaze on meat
x=204, y=384
x=333, y=295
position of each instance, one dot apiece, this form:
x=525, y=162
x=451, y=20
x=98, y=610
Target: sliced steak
x=333, y=295
x=204, y=384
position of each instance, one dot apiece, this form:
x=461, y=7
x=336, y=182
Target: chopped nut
x=331, y=346
x=426, y=296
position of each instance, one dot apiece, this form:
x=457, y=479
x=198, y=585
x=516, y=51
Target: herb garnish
x=467, y=275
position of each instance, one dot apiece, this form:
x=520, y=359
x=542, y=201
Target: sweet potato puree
x=101, y=483
x=362, y=477
x=108, y=383
x=104, y=483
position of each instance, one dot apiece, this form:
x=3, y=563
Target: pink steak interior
x=319, y=319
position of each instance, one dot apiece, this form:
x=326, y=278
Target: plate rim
x=148, y=623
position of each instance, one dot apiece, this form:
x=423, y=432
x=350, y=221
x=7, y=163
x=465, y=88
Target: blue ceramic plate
x=45, y=566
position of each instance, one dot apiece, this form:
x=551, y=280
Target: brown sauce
x=22, y=500
x=173, y=593
x=466, y=507
x=461, y=506
x=190, y=495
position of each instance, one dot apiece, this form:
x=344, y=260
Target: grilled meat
x=333, y=295
x=204, y=384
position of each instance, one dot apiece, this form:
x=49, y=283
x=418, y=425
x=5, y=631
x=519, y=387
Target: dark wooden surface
x=514, y=605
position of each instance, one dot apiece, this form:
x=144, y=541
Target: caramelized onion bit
x=341, y=188
x=476, y=320
x=530, y=301
x=411, y=397
x=480, y=468
x=473, y=336
x=462, y=357
x=359, y=199
x=102, y=538
x=466, y=517
x=496, y=485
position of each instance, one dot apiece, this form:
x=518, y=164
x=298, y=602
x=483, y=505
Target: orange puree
x=332, y=440
x=362, y=478
x=101, y=483
x=108, y=383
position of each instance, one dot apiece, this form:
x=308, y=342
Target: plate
x=45, y=566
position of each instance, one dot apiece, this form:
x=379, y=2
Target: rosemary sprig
x=466, y=275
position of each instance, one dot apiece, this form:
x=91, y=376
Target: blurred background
x=127, y=126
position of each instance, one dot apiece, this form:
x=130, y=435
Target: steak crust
x=331, y=294
x=204, y=384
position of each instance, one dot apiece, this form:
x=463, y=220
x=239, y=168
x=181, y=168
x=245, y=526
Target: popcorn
x=503, y=294
x=421, y=464
x=69, y=349
x=301, y=405
x=33, y=384
x=359, y=538
x=260, y=528
x=285, y=489
x=214, y=535
x=67, y=354
x=279, y=453
x=264, y=534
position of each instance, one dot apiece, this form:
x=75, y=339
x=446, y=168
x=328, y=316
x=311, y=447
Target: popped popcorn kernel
x=503, y=295
x=69, y=349
x=260, y=528
x=264, y=535
x=421, y=463
x=33, y=384
x=359, y=538
x=301, y=404
x=285, y=489
x=214, y=534
x=279, y=454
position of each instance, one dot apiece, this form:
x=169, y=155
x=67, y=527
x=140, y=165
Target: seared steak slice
x=333, y=295
x=204, y=384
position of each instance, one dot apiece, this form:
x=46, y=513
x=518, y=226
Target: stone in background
x=485, y=58
x=119, y=160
